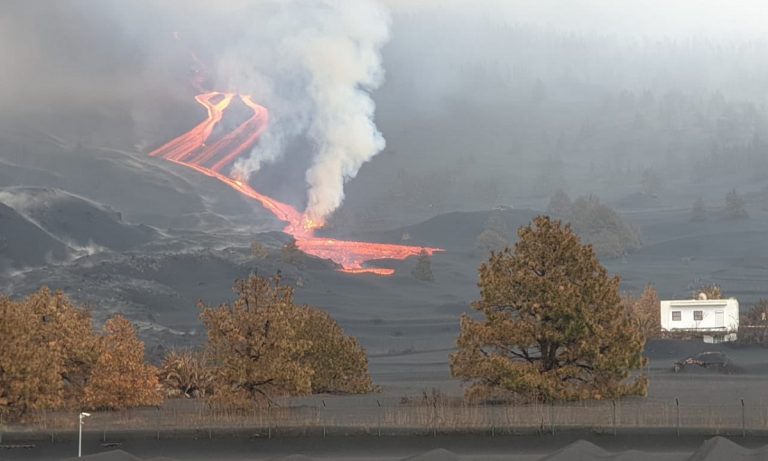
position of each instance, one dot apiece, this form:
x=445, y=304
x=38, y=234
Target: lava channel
x=190, y=150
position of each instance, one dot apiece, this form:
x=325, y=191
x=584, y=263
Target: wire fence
x=438, y=418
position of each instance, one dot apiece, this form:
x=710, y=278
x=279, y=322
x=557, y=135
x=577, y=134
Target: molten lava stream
x=190, y=150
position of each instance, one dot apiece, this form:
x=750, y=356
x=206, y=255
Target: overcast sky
x=633, y=18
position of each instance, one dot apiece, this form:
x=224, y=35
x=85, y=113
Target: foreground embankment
x=573, y=445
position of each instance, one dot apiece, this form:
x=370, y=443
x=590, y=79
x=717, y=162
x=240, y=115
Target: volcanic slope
x=24, y=244
x=144, y=190
x=76, y=220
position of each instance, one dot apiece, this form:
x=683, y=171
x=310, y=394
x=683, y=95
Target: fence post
x=614, y=416
x=743, y=420
x=158, y=422
x=552, y=417
x=323, y=418
x=434, y=418
x=378, y=414
x=493, y=420
x=677, y=407
x=269, y=420
x=211, y=419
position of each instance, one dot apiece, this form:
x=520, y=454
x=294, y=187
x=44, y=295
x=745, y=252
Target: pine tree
x=292, y=254
x=264, y=345
x=698, y=210
x=423, y=269
x=29, y=368
x=338, y=361
x=495, y=236
x=554, y=326
x=258, y=251
x=559, y=204
x=120, y=377
x=735, y=206
x=646, y=312
x=46, y=353
x=254, y=345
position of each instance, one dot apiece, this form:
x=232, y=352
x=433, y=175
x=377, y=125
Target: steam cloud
x=313, y=65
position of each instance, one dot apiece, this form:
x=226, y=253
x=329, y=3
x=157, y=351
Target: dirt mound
x=438, y=454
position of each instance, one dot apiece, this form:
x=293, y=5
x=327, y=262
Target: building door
x=719, y=319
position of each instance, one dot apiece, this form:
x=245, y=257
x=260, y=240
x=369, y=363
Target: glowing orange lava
x=191, y=150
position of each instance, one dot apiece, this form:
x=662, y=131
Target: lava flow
x=191, y=150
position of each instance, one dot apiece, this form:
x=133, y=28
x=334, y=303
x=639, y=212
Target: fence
x=436, y=418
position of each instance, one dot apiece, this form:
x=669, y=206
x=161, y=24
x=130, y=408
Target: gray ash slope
x=75, y=219
x=88, y=233
x=23, y=244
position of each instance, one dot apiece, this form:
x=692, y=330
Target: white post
x=80, y=436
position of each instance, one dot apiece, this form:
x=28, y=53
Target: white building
x=716, y=319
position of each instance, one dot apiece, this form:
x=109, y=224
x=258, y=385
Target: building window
x=676, y=316
x=698, y=316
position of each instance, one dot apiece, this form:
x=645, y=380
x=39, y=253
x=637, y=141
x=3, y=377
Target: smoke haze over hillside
x=490, y=101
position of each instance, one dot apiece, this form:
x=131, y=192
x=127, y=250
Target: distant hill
x=457, y=230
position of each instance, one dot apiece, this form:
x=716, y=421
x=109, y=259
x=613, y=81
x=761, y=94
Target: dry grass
x=429, y=417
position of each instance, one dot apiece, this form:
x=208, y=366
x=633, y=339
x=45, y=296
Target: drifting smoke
x=313, y=64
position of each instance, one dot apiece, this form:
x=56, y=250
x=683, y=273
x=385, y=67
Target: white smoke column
x=312, y=63
x=344, y=67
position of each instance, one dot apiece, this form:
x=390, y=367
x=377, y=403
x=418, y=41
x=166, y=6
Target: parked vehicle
x=711, y=359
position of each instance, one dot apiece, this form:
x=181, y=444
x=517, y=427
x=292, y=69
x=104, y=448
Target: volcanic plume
x=314, y=64
x=192, y=150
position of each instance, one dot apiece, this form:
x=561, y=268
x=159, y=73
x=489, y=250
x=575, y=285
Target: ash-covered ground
x=120, y=232
x=574, y=446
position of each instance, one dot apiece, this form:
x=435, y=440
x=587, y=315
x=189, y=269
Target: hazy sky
x=576, y=55
x=633, y=18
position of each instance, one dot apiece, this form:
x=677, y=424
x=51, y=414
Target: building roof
x=698, y=302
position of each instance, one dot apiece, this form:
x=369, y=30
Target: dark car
x=712, y=360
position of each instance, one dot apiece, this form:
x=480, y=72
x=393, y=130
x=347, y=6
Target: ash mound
x=719, y=448
x=581, y=450
x=438, y=454
x=40, y=226
x=76, y=220
x=293, y=458
x=24, y=244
